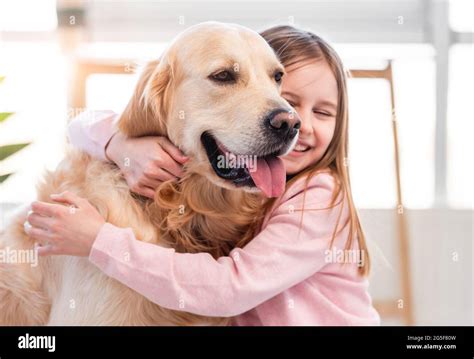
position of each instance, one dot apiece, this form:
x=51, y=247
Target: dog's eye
x=223, y=76
x=278, y=75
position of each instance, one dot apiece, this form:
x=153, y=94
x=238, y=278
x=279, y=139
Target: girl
x=279, y=278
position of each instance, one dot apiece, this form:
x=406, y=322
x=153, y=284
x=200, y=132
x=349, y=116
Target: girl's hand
x=146, y=162
x=60, y=229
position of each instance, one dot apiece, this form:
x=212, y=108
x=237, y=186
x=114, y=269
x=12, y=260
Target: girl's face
x=311, y=89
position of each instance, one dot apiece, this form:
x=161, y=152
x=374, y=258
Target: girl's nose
x=306, y=123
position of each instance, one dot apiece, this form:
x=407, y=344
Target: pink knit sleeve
x=275, y=260
x=91, y=131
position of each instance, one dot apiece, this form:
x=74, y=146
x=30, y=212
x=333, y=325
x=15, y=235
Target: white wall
x=442, y=287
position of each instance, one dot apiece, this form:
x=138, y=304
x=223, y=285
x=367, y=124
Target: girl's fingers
x=36, y=220
x=175, y=168
x=39, y=235
x=146, y=192
x=151, y=183
x=159, y=176
x=143, y=190
x=164, y=175
x=46, y=209
x=69, y=198
x=172, y=150
x=167, y=164
x=46, y=250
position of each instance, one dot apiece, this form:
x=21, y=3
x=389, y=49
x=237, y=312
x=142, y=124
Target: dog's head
x=215, y=94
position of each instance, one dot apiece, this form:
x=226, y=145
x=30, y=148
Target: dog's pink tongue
x=269, y=175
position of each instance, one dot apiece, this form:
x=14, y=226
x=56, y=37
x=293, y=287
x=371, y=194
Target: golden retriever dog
x=215, y=93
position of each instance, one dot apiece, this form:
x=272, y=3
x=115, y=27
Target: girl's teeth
x=301, y=148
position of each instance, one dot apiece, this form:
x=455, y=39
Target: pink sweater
x=279, y=278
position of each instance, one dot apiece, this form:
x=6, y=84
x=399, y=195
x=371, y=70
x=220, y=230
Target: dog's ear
x=146, y=112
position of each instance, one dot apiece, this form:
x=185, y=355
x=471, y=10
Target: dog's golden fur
x=201, y=213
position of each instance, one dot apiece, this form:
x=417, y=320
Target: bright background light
x=36, y=90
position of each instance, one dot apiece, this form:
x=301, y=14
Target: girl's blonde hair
x=294, y=46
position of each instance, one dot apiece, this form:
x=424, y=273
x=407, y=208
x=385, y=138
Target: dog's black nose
x=283, y=123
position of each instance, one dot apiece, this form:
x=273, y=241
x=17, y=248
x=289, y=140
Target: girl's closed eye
x=323, y=113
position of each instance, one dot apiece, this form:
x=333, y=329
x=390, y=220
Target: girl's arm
x=275, y=260
x=91, y=131
x=145, y=162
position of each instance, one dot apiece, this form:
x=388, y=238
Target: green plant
x=8, y=150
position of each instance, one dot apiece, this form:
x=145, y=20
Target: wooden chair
x=394, y=308
x=83, y=69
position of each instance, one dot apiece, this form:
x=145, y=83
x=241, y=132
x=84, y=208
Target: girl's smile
x=311, y=89
x=300, y=149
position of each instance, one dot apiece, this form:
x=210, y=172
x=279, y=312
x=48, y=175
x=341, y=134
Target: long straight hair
x=294, y=46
